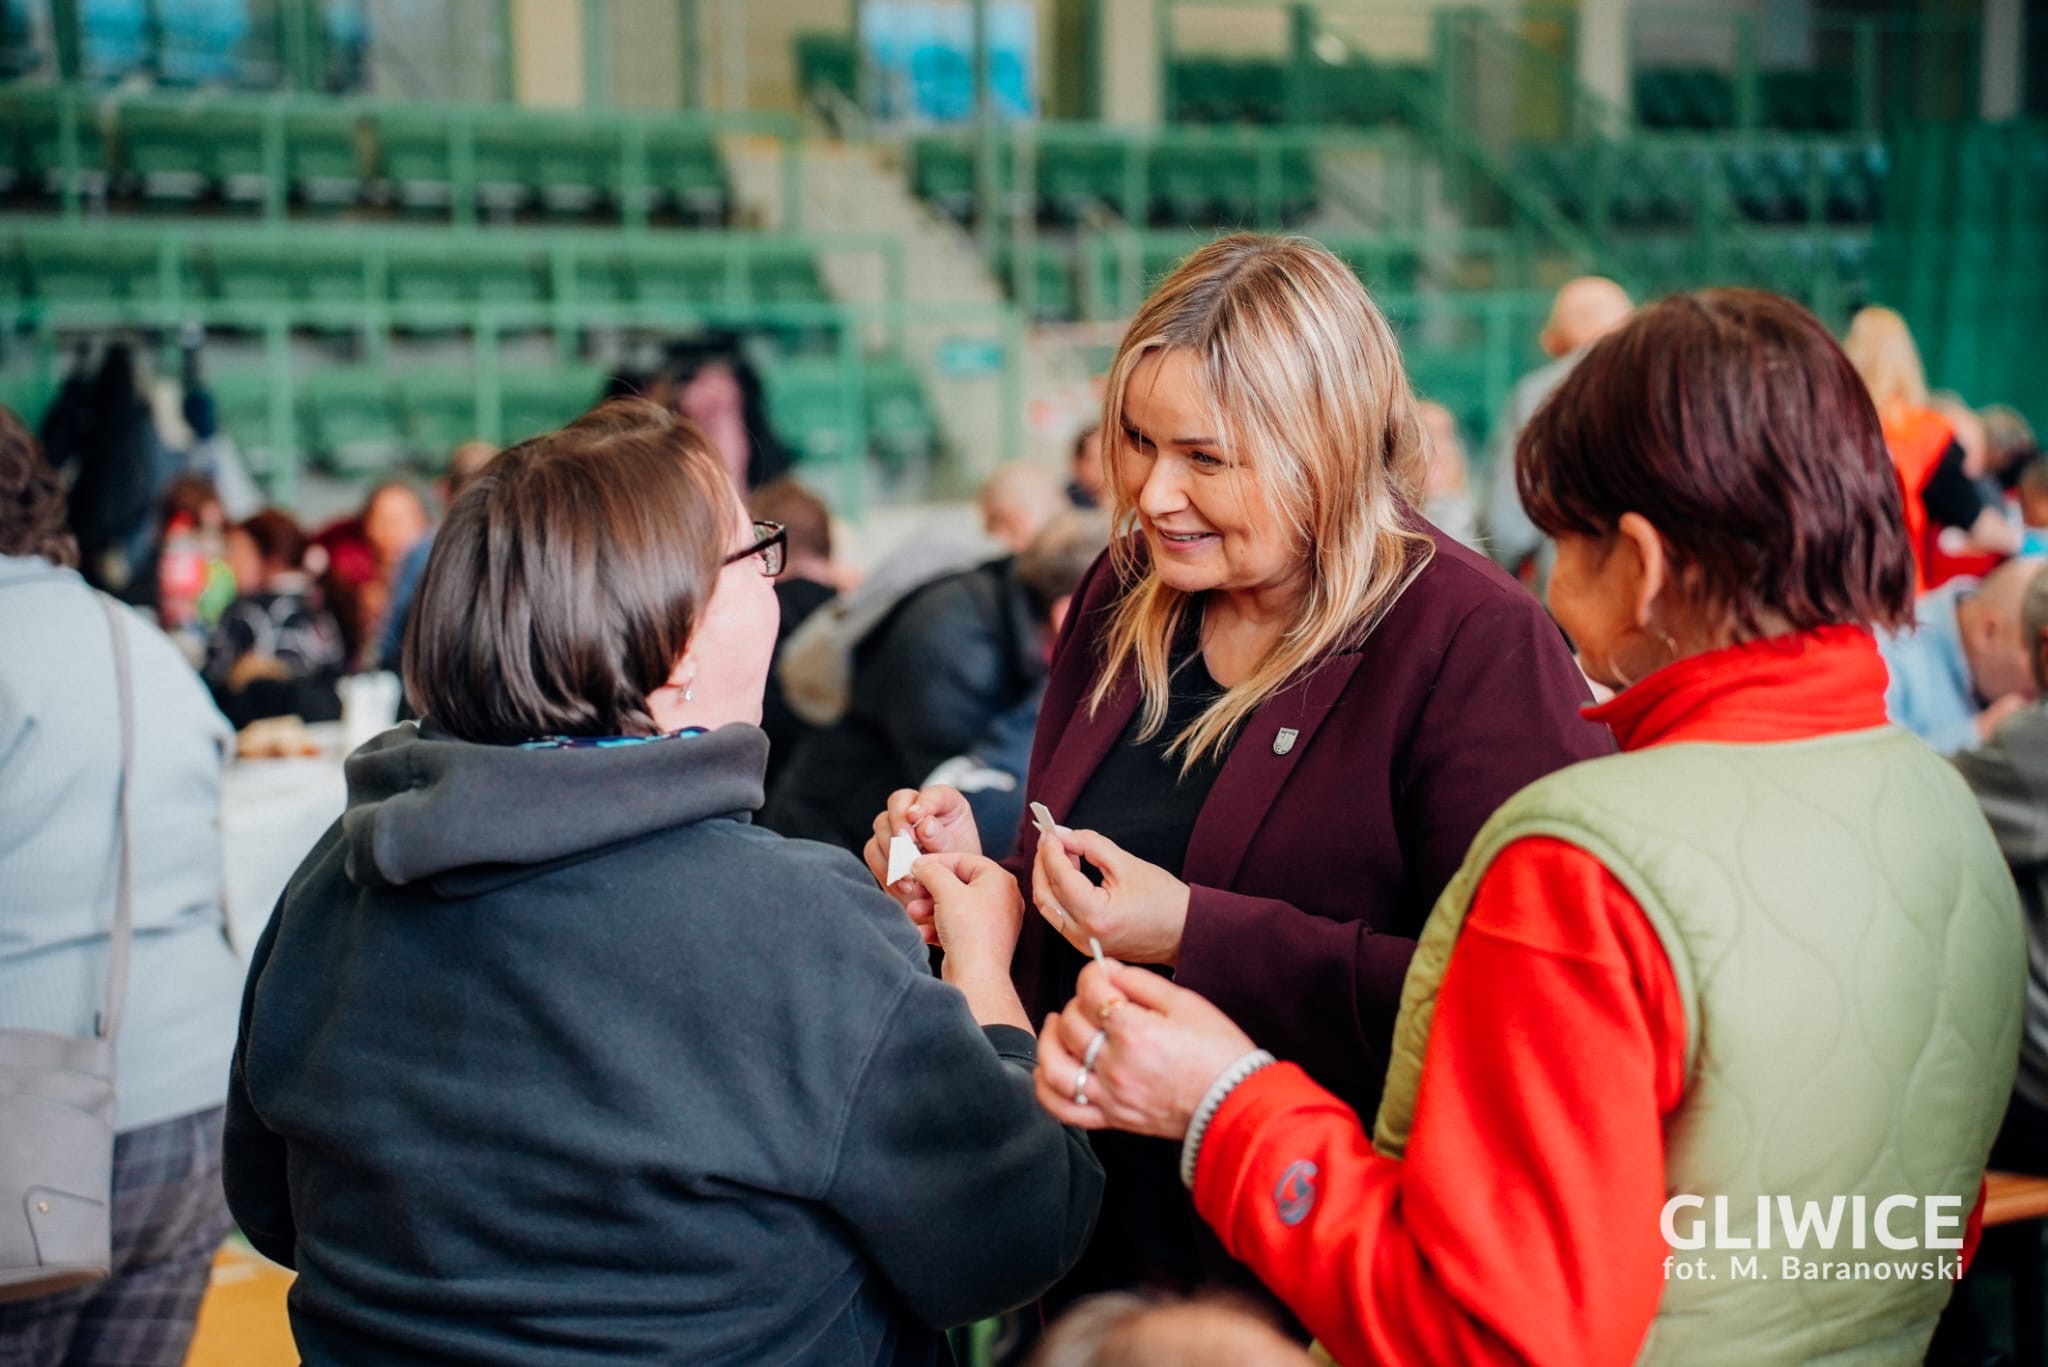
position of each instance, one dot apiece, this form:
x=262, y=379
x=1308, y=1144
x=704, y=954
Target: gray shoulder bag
x=57, y=1101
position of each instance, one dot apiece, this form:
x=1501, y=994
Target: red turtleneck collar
x=1813, y=683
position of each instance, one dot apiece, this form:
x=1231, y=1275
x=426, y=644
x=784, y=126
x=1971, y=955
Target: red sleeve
x=1523, y=1224
x=1973, y=1233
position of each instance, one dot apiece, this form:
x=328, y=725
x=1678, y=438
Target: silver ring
x=1094, y=1048
x=1081, y=1087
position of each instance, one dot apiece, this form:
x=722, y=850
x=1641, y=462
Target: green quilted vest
x=1847, y=944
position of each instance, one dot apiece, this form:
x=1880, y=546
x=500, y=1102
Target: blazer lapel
x=1271, y=743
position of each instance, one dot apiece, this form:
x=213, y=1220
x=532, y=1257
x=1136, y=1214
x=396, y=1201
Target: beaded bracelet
x=1212, y=1101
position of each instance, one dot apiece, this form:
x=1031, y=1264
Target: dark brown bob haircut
x=1733, y=423
x=33, y=521
x=567, y=578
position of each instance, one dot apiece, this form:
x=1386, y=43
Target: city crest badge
x=1284, y=742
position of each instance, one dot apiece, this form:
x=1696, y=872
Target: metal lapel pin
x=1284, y=742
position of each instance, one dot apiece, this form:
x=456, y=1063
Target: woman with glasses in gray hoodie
x=550, y=1055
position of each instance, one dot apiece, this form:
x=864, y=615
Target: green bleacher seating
x=190, y=149
x=567, y=166
x=92, y=269
x=166, y=151
x=1184, y=181
x=537, y=401
x=806, y=405
x=1053, y=281
x=241, y=400
x=598, y=278
x=942, y=172
x=1684, y=98
x=437, y=410
x=412, y=153
x=1189, y=184
x=416, y=148
x=683, y=280
x=36, y=122
x=1363, y=95
x=1074, y=176
x=684, y=167
x=187, y=148
x=324, y=154
x=826, y=62
x=1820, y=101
x=245, y=272
x=1228, y=90
x=900, y=427
x=1384, y=270
x=429, y=280
x=350, y=419
x=787, y=278
x=504, y=152
x=1356, y=93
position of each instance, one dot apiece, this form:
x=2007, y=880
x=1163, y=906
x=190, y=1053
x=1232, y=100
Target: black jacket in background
x=550, y=1057
x=798, y=598
x=928, y=683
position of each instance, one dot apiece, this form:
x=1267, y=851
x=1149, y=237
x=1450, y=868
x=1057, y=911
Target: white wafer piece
x=903, y=852
x=1042, y=818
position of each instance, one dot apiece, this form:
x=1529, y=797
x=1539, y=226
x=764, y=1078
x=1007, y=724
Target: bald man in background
x=1968, y=662
x=1585, y=310
x=1017, y=501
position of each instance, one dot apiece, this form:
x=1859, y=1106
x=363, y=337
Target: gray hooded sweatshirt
x=551, y=1056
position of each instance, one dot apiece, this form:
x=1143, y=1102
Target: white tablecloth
x=273, y=811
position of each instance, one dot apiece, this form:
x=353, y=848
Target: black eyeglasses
x=771, y=543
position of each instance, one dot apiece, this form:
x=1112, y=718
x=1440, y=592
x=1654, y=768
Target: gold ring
x=1108, y=1009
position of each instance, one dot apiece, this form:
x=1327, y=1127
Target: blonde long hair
x=1880, y=346
x=1304, y=382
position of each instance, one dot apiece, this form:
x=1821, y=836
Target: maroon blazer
x=1314, y=862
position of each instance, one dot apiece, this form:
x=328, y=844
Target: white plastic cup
x=369, y=707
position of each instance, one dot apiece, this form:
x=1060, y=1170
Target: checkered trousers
x=169, y=1217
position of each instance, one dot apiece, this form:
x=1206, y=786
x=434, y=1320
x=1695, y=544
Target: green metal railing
x=159, y=273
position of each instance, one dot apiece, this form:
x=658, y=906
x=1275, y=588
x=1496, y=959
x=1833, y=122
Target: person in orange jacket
x=1763, y=965
x=1952, y=527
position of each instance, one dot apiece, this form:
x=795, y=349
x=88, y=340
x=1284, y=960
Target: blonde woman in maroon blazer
x=1280, y=708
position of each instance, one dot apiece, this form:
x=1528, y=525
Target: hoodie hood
x=424, y=807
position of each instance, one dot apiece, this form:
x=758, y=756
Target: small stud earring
x=689, y=694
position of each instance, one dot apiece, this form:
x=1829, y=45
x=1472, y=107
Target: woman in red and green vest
x=1764, y=965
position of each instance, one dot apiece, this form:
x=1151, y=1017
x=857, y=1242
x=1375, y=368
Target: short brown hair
x=566, y=581
x=279, y=541
x=803, y=515
x=1731, y=421
x=32, y=515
